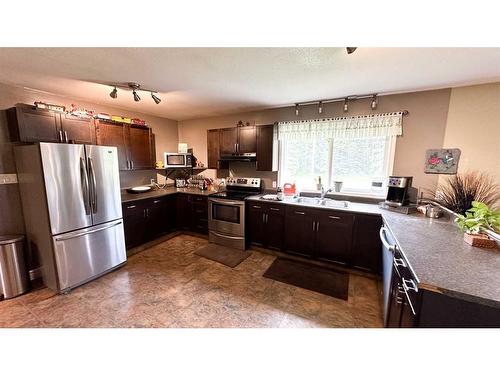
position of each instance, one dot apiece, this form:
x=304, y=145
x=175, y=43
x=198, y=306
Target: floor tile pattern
x=167, y=285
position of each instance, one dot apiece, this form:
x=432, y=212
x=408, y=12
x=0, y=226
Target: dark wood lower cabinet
x=366, y=253
x=145, y=220
x=334, y=236
x=266, y=223
x=299, y=230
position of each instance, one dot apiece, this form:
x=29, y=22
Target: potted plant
x=477, y=219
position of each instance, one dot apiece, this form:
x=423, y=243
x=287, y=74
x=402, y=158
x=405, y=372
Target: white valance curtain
x=379, y=125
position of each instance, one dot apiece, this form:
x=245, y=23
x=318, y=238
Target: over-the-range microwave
x=177, y=160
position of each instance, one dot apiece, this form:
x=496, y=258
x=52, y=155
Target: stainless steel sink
x=334, y=203
x=326, y=202
x=308, y=200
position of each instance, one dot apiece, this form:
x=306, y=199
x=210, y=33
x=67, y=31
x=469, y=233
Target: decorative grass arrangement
x=460, y=190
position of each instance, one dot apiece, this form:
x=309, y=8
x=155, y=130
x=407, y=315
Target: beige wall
x=473, y=126
x=11, y=221
x=423, y=128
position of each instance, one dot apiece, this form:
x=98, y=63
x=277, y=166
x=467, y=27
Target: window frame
x=390, y=152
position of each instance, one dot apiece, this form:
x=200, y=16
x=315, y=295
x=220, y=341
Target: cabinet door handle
x=60, y=136
x=274, y=209
x=267, y=218
x=65, y=136
x=131, y=206
x=317, y=226
x=314, y=223
x=300, y=213
x=257, y=164
x=156, y=201
x=256, y=207
x=132, y=163
x=409, y=285
x=335, y=217
x=264, y=218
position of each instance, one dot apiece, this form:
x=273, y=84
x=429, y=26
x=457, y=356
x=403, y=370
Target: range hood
x=244, y=156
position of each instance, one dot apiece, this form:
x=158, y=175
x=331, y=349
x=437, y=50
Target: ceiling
x=203, y=82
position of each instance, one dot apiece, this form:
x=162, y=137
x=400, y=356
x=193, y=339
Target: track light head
x=374, y=102
x=350, y=50
x=296, y=109
x=136, y=96
x=114, y=93
x=346, y=105
x=320, y=108
x=155, y=98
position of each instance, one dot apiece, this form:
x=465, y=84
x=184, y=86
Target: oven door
x=226, y=216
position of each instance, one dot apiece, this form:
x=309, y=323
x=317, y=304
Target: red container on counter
x=289, y=189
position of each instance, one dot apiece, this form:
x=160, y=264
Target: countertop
x=131, y=197
x=362, y=208
x=441, y=260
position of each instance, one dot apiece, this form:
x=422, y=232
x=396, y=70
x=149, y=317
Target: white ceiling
x=202, y=82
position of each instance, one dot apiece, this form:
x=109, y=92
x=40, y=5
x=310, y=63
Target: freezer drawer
x=85, y=254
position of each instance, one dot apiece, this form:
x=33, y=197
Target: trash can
x=13, y=274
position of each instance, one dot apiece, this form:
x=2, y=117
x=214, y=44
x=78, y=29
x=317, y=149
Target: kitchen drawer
x=197, y=199
x=199, y=209
x=133, y=208
x=339, y=216
x=276, y=209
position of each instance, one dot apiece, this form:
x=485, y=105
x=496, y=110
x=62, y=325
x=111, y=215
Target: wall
x=11, y=221
x=423, y=128
x=473, y=126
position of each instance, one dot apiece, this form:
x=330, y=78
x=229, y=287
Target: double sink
x=324, y=202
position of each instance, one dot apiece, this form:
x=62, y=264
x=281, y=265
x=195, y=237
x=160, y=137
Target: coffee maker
x=399, y=191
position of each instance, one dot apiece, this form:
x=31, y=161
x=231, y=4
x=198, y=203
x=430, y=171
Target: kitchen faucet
x=323, y=192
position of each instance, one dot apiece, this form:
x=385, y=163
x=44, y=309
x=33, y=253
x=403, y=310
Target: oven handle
x=225, y=236
x=223, y=201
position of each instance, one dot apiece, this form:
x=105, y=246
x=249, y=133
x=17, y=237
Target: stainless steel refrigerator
x=72, y=209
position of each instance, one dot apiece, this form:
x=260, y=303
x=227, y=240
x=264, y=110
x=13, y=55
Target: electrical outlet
x=274, y=184
x=8, y=179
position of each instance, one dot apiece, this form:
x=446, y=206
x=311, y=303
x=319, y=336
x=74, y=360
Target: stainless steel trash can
x=13, y=274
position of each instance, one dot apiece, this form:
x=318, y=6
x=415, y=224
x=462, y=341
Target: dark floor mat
x=226, y=255
x=308, y=276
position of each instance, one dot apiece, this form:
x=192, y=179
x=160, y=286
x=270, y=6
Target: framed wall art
x=442, y=161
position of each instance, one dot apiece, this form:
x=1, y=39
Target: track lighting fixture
x=134, y=87
x=374, y=102
x=320, y=108
x=350, y=50
x=296, y=109
x=155, y=98
x=346, y=105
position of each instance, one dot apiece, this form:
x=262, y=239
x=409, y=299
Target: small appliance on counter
x=180, y=183
x=399, y=191
x=400, y=195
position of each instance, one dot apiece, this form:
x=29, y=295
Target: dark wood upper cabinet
x=113, y=134
x=267, y=151
x=28, y=124
x=247, y=139
x=140, y=148
x=228, y=140
x=134, y=144
x=213, y=144
x=78, y=130
x=333, y=236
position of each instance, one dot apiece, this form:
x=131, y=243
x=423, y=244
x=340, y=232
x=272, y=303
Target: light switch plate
x=8, y=179
x=274, y=184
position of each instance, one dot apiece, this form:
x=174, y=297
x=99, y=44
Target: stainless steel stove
x=226, y=211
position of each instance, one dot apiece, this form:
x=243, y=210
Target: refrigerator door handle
x=84, y=233
x=85, y=186
x=93, y=195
